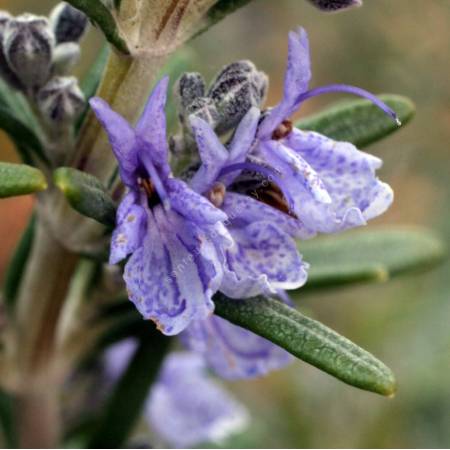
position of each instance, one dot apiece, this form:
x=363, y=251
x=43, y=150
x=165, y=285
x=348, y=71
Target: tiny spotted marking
x=131, y=218
x=284, y=129
x=217, y=194
x=121, y=239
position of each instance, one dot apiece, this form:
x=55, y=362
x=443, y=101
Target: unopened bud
x=28, y=45
x=237, y=88
x=5, y=71
x=335, y=5
x=68, y=23
x=189, y=87
x=65, y=56
x=204, y=108
x=61, y=100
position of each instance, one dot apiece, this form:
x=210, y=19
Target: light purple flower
x=233, y=352
x=330, y=186
x=175, y=267
x=264, y=257
x=185, y=406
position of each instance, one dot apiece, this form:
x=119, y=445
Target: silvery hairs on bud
x=190, y=86
x=61, y=100
x=65, y=56
x=68, y=23
x=5, y=71
x=190, y=93
x=28, y=45
x=237, y=88
x=335, y=5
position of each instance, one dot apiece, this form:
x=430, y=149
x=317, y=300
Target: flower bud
x=65, y=56
x=5, y=71
x=204, y=108
x=61, y=100
x=237, y=88
x=68, y=23
x=28, y=45
x=189, y=87
x=335, y=5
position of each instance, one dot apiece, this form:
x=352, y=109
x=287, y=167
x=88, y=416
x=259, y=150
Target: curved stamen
x=155, y=178
x=350, y=90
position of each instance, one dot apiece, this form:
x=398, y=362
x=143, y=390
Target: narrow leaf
x=86, y=194
x=20, y=179
x=128, y=399
x=309, y=340
x=16, y=267
x=370, y=256
x=7, y=420
x=102, y=17
x=17, y=120
x=92, y=79
x=359, y=121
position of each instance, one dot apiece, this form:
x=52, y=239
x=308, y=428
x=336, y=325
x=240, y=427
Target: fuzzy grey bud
x=68, y=23
x=204, y=108
x=335, y=5
x=237, y=88
x=5, y=71
x=61, y=100
x=189, y=87
x=28, y=45
x=65, y=56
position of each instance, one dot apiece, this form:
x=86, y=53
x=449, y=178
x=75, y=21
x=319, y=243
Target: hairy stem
x=41, y=296
x=38, y=419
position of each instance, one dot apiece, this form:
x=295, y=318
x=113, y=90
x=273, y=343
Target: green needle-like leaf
x=7, y=420
x=359, y=121
x=17, y=120
x=86, y=194
x=92, y=79
x=370, y=255
x=101, y=16
x=309, y=340
x=20, y=179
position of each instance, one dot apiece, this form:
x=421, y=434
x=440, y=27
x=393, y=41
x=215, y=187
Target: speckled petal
x=151, y=126
x=297, y=77
x=295, y=169
x=186, y=408
x=130, y=228
x=244, y=209
x=163, y=278
x=122, y=138
x=212, y=153
x=266, y=255
x=348, y=175
x=233, y=352
x=192, y=205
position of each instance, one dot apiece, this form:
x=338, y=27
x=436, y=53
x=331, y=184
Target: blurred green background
x=400, y=47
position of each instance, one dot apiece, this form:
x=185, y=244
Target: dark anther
x=152, y=194
x=283, y=130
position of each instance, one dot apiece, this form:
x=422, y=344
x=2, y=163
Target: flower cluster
x=36, y=54
x=230, y=221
